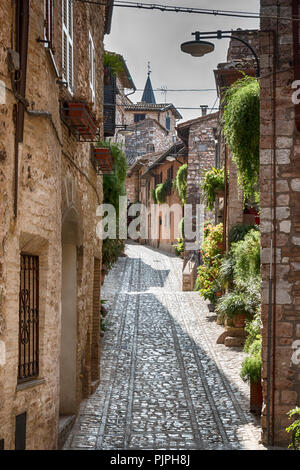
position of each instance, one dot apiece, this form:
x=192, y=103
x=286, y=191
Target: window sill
x=30, y=384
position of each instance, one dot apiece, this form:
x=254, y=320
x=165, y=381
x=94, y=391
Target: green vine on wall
x=181, y=183
x=113, y=187
x=241, y=119
x=162, y=190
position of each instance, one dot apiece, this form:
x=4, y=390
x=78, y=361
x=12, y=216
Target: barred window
x=29, y=318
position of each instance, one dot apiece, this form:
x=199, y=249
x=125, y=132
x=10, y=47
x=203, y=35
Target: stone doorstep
x=66, y=422
x=234, y=341
x=188, y=276
x=232, y=337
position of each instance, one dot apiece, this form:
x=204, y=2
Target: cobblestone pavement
x=165, y=383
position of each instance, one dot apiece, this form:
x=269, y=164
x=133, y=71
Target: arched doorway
x=68, y=348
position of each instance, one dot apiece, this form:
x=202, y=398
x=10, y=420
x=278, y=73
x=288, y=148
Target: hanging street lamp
x=200, y=46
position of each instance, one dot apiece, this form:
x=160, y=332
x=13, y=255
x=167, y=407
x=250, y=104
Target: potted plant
x=251, y=372
x=212, y=185
x=233, y=307
x=295, y=428
x=103, y=159
x=82, y=119
x=179, y=247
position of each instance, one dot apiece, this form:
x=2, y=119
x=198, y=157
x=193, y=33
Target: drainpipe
x=22, y=27
x=271, y=326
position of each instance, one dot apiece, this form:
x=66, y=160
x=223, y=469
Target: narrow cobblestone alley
x=165, y=383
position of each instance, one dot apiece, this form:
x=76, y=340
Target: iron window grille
x=28, y=318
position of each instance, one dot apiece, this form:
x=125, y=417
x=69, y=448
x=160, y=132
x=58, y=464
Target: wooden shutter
x=67, y=44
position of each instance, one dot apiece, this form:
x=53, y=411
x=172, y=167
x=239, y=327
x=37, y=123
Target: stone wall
x=280, y=216
x=147, y=133
x=158, y=115
x=201, y=156
x=56, y=184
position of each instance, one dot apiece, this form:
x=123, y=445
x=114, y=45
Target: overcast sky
x=150, y=35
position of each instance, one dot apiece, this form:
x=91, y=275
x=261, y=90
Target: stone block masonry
x=280, y=215
x=199, y=137
x=58, y=193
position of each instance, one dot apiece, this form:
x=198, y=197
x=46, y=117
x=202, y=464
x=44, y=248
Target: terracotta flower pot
x=239, y=321
x=82, y=119
x=220, y=193
x=256, y=397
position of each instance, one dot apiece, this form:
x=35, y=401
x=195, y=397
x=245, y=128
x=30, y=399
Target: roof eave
x=108, y=16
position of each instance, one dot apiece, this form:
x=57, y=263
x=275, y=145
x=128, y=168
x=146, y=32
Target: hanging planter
x=80, y=120
x=103, y=159
x=212, y=186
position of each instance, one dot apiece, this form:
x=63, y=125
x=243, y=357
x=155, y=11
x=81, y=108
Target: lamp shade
x=197, y=48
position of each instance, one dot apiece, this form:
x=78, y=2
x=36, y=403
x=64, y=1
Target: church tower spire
x=148, y=95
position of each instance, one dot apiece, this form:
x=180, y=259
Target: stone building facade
x=153, y=128
x=280, y=216
x=163, y=219
x=50, y=256
x=199, y=135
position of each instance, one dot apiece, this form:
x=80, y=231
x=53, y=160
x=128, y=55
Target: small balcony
x=80, y=120
x=103, y=160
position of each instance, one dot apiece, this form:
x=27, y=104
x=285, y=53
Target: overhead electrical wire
x=191, y=10
x=162, y=90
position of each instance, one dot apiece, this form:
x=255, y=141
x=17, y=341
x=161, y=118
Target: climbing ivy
x=241, y=130
x=162, y=190
x=113, y=187
x=114, y=184
x=181, y=182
